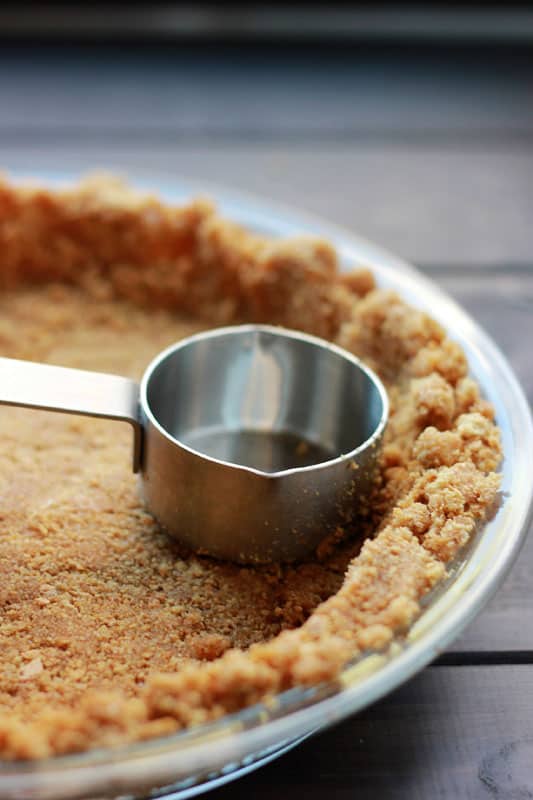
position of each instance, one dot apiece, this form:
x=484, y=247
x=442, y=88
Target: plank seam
x=480, y=658
x=476, y=269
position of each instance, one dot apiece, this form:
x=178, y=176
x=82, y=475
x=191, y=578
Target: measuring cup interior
x=263, y=399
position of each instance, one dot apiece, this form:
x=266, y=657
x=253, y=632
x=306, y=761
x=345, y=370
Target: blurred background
x=467, y=20
x=412, y=124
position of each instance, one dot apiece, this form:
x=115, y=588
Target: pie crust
x=110, y=632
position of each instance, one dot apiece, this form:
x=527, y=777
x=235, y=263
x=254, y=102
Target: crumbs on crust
x=110, y=633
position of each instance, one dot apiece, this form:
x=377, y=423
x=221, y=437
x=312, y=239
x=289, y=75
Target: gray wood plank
x=428, y=204
x=452, y=732
x=505, y=625
x=262, y=92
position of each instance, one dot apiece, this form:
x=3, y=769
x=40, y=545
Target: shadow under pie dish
x=110, y=633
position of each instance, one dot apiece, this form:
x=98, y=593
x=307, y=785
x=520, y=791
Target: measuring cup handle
x=73, y=391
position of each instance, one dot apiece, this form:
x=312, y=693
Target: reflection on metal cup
x=259, y=442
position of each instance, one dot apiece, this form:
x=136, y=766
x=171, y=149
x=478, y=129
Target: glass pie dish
x=186, y=763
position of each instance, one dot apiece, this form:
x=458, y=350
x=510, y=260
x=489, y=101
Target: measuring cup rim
x=280, y=331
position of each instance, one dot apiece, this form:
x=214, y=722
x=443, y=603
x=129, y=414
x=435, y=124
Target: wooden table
x=429, y=152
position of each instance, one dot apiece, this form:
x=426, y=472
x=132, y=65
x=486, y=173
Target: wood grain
x=458, y=732
x=262, y=92
x=505, y=625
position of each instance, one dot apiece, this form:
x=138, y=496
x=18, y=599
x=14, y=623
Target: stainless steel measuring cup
x=253, y=442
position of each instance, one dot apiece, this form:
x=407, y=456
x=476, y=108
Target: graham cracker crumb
x=113, y=633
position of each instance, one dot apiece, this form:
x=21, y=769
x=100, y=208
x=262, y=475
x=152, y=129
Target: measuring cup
x=254, y=443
